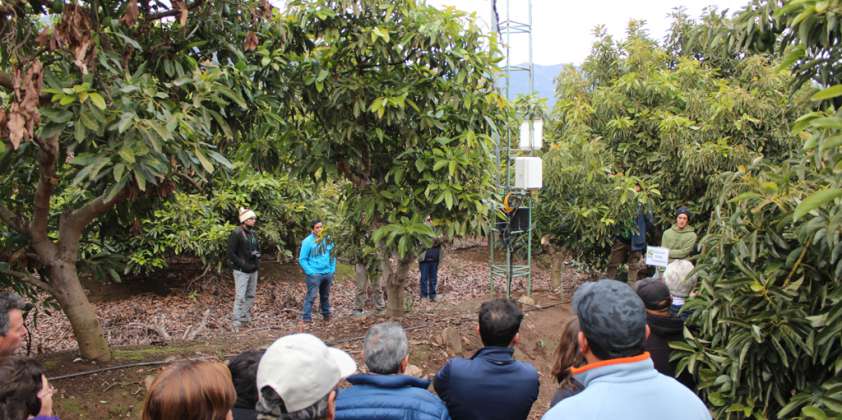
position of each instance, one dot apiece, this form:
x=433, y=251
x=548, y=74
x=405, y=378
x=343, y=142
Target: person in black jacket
x=664, y=326
x=245, y=258
x=243, y=369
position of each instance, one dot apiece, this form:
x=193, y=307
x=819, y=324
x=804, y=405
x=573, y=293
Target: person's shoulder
x=526, y=367
x=675, y=391
x=572, y=407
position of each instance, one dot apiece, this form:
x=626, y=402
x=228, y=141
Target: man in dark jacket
x=490, y=385
x=664, y=327
x=630, y=246
x=245, y=258
x=386, y=393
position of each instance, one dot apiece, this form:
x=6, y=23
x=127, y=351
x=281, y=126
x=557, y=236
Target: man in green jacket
x=680, y=239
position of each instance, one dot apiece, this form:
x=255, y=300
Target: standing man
x=680, y=239
x=245, y=258
x=630, y=246
x=319, y=265
x=12, y=330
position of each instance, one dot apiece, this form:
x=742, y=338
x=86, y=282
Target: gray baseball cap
x=612, y=317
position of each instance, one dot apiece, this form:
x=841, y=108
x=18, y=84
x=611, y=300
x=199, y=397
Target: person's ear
x=648, y=331
x=331, y=405
x=516, y=340
x=584, y=348
x=404, y=364
x=477, y=327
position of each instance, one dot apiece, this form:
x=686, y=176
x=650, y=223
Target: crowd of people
x=612, y=361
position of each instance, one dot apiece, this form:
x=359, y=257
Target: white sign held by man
x=657, y=256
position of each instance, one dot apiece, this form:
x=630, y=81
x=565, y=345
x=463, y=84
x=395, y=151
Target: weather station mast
x=519, y=172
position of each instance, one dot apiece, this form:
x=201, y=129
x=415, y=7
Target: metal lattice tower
x=507, y=233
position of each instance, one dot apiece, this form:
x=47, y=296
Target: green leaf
x=813, y=412
x=816, y=200
x=828, y=93
x=206, y=164
x=97, y=100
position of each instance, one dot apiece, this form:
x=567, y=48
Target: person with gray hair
x=12, y=330
x=385, y=393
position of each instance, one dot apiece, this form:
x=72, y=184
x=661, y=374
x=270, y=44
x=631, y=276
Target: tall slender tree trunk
x=79, y=310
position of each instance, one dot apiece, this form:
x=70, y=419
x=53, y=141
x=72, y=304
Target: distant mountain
x=544, y=82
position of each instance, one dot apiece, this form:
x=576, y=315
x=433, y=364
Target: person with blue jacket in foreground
x=491, y=385
x=620, y=378
x=385, y=393
x=319, y=265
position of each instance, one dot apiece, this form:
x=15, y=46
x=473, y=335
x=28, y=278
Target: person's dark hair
x=8, y=302
x=499, y=322
x=19, y=387
x=567, y=354
x=243, y=369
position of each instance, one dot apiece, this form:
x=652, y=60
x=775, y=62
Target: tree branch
x=47, y=157
x=32, y=280
x=73, y=223
x=173, y=12
x=14, y=221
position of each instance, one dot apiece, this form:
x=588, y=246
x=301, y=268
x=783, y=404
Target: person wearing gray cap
x=297, y=378
x=620, y=378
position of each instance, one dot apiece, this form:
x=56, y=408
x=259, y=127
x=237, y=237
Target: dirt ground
x=119, y=393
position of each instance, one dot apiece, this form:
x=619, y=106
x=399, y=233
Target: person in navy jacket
x=385, y=393
x=490, y=385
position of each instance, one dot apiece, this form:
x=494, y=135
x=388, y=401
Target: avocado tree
x=669, y=119
x=104, y=104
x=397, y=98
x=766, y=323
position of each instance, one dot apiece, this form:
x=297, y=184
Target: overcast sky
x=562, y=29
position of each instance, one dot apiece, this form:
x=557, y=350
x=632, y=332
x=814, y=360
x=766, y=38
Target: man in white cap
x=297, y=378
x=244, y=254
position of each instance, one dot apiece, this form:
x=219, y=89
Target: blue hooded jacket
x=315, y=258
x=389, y=397
x=628, y=388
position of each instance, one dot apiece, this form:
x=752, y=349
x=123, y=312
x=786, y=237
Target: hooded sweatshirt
x=628, y=388
x=679, y=242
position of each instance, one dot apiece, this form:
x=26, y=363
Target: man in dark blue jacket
x=492, y=384
x=385, y=393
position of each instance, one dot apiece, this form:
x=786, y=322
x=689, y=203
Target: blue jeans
x=319, y=283
x=429, y=278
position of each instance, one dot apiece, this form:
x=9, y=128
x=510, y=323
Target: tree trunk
x=80, y=312
x=396, y=283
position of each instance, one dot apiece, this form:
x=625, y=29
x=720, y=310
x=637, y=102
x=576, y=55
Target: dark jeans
x=319, y=283
x=429, y=278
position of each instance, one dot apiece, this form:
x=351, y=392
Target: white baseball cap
x=301, y=369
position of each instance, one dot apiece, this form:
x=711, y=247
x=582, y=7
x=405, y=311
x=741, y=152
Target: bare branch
x=32, y=280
